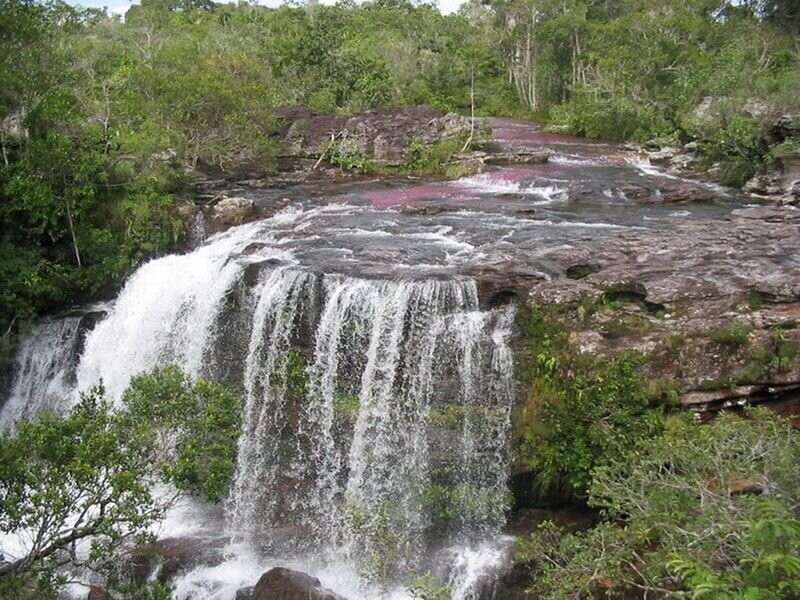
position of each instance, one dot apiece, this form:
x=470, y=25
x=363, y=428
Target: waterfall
x=376, y=411
x=282, y=295
x=397, y=370
x=44, y=369
x=165, y=314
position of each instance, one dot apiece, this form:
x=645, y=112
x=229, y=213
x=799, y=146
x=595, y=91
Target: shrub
x=707, y=509
x=581, y=411
x=732, y=334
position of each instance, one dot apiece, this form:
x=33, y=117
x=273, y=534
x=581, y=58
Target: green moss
x=346, y=405
x=449, y=502
x=453, y=416
x=755, y=300
x=624, y=303
x=673, y=343
x=296, y=378
x=581, y=271
x=625, y=325
x=718, y=383
x=775, y=356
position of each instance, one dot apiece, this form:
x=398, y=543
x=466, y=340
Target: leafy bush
x=709, y=509
x=582, y=410
x=345, y=155
x=88, y=476
x=202, y=420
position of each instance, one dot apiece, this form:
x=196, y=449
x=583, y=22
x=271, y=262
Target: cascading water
x=44, y=369
x=335, y=459
x=375, y=410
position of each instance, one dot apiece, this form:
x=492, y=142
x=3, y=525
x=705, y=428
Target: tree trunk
x=72, y=233
x=471, y=106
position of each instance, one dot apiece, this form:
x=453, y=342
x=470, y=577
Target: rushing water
x=377, y=380
x=371, y=406
x=44, y=369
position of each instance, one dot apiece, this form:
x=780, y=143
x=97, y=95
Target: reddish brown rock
x=97, y=592
x=281, y=583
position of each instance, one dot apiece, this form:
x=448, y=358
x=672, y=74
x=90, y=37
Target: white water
x=43, y=370
x=407, y=388
x=164, y=314
x=494, y=183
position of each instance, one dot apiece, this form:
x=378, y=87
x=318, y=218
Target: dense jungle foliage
x=104, y=119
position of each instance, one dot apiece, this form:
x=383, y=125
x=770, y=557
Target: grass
x=733, y=334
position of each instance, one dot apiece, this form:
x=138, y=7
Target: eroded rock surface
x=715, y=304
x=384, y=135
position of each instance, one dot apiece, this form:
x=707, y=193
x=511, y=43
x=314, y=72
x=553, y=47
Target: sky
x=120, y=6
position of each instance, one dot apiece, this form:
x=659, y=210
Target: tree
x=76, y=491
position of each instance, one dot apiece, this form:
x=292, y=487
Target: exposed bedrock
x=384, y=135
x=715, y=305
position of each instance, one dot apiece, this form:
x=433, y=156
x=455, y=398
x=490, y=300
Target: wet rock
x=245, y=593
x=634, y=191
x=780, y=184
x=169, y=556
x=677, y=191
x=663, y=156
x=520, y=157
x=502, y=280
x=766, y=184
x=682, y=162
x=232, y=211
x=425, y=209
x=527, y=212
x=281, y=583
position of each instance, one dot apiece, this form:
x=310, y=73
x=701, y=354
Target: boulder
x=245, y=593
x=281, y=583
x=664, y=155
x=232, y=211
x=786, y=125
x=780, y=184
x=677, y=191
x=682, y=162
x=756, y=108
x=708, y=108
x=97, y=592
